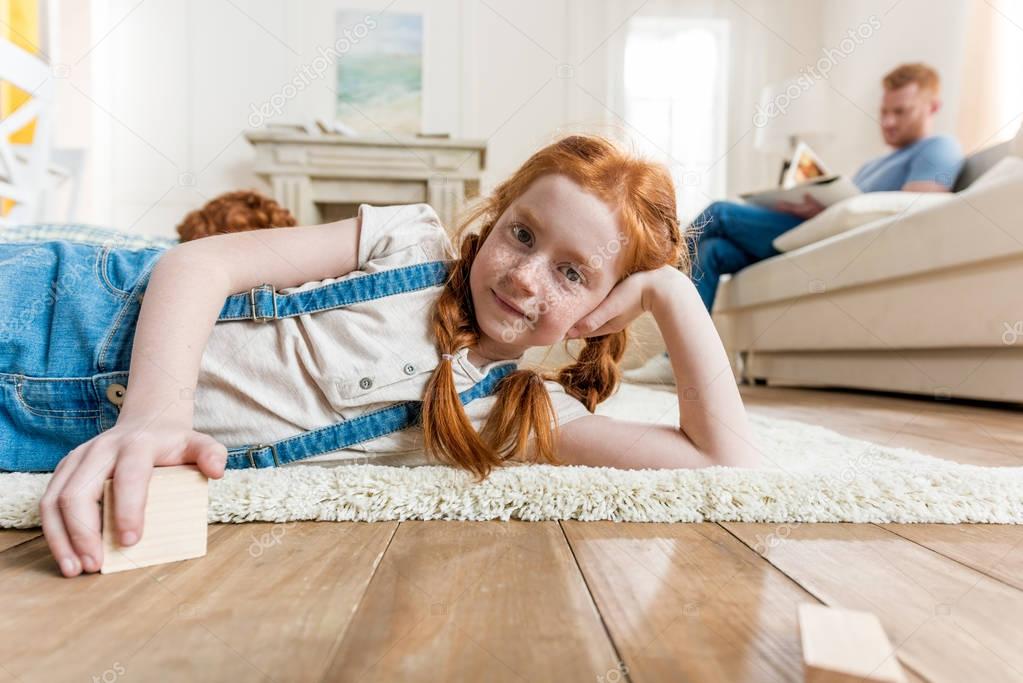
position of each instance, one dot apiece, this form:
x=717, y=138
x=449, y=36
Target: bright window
x=676, y=102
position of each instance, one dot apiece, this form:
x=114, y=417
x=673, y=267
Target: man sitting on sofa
x=731, y=236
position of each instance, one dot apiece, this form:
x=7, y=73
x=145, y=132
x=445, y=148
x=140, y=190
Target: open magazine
x=805, y=174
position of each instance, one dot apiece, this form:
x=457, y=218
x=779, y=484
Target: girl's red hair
x=644, y=193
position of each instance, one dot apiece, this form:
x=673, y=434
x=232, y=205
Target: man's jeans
x=730, y=237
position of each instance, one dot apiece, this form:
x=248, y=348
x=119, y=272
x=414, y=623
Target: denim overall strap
x=362, y=428
x=263, y=303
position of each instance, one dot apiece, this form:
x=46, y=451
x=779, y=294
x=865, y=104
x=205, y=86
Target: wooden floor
x=546, y=601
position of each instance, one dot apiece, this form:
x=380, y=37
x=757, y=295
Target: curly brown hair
x=234, y=212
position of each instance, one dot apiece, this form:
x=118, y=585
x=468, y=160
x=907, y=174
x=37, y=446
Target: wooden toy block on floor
x=175, y=521
x=842, y=646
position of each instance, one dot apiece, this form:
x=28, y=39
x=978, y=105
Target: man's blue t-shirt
x=937, y=158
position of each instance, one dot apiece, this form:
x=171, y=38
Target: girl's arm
x=183, y=299
x=710, y=409
x=186, y=293
x=713, y=426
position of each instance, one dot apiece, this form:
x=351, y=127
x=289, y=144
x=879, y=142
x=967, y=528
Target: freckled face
x=554, y=255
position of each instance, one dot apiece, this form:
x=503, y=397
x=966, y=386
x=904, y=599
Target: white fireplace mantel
x=321, y=178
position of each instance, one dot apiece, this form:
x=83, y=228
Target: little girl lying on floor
x=377, y=320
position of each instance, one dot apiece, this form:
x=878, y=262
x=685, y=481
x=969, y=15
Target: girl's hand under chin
x=628, y=300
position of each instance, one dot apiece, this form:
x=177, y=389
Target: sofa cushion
x=854, y=212
x=1009, y=169
x=979, y=163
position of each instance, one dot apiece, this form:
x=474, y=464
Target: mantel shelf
x=325, y=177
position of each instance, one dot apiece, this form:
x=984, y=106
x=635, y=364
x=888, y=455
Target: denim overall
x=68, y=311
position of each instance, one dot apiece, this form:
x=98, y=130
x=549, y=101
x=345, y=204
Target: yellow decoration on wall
x=19, y=24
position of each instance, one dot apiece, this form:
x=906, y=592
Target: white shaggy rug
x=815, y=475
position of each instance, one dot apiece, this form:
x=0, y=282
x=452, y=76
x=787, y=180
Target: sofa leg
x=740, y=363
x=760, y=381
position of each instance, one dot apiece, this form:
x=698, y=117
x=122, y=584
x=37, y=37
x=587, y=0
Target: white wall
x=169, y=84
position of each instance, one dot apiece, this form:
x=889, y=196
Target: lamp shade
x=797, y=107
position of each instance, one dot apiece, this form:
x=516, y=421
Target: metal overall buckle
x=260, y=446
x=252, y=302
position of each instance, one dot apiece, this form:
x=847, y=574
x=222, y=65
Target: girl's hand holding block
x=175, y=521
x=80, y=495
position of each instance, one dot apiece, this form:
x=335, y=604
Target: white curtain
x=992, y=93
x=679, y=113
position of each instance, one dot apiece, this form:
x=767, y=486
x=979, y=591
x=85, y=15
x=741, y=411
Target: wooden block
x=175, y=521
x=842, y=646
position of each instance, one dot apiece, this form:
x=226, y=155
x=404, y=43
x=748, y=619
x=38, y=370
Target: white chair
x=65, y=168
x=23, y=168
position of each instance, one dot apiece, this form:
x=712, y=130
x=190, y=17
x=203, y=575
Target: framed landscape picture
x=380, y=77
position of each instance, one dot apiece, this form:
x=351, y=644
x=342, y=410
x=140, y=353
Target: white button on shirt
x=260, y=383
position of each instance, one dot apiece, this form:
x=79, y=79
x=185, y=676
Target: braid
x=595, y=376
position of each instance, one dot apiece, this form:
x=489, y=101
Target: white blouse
x=262, y=382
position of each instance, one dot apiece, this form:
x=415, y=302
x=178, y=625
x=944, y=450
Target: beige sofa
x=928, y=300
